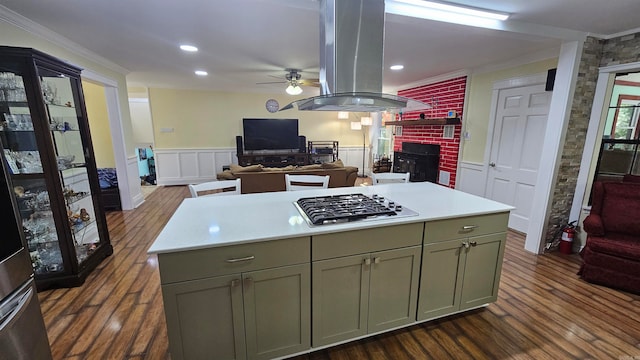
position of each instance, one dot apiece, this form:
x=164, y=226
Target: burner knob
x=392, y=204
x=374, y=196
x=398, y=207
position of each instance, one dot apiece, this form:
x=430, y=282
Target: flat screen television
x=270, y=134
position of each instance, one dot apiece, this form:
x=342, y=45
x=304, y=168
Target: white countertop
x=213, y=221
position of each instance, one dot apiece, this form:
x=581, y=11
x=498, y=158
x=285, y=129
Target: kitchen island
x=246, y=277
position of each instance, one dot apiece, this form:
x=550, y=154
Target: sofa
x=611, y=256
x=257, y=179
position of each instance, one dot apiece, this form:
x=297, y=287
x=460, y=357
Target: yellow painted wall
x=478, y=108
x=211, y=119
x=96, y=103
x=14, y=36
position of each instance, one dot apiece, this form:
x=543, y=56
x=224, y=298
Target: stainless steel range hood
x=351, y=60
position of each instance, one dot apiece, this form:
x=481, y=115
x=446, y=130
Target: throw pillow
x=333, y=165
x=225, y=175
x=310, y=167
x=251, y=168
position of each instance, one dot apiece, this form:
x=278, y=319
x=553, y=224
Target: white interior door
x=518, y=134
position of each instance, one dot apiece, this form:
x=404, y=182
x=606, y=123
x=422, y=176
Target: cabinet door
x=441, y=283
x=205, y=318
x=482, y=270
x=277, y=308
x=340, y=298
x=394, y=288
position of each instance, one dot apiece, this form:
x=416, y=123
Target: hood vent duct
x=352, y=60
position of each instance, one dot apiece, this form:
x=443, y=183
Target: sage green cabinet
x=362, y=294
x=364, y=281
x=463, y=272
x=255, y=315
x=215, y=304
x=259, y=306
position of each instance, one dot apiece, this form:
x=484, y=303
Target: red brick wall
x=448, y=95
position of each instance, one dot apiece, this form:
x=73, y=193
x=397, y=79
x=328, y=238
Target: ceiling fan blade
x=309, y=82
x=271, y=82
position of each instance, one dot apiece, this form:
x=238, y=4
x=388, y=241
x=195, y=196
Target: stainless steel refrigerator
x=22, y=332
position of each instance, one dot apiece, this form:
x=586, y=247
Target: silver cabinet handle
x=465, y=244
x=492, y=164
x=367, y=261
x=247, y=258
x=376, y=260
x=473, y=243
x=469, y=227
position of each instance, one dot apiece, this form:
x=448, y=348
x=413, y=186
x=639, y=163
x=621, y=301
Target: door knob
x=492, y=164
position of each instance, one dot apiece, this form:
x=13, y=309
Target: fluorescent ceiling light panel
x=396, y=67
x=455, y=9
x=445, y=13
x=201, y=73
x=188, y=48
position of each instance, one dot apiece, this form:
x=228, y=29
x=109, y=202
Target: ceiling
x=243, y=42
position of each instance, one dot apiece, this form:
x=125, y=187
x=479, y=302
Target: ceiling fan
x=294, y=80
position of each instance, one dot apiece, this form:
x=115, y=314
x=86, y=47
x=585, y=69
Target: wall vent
x=448, y=131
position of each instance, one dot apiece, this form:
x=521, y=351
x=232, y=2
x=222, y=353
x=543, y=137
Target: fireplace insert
x=421, y=161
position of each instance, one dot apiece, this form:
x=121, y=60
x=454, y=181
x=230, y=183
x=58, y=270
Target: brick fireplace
x=445, y=96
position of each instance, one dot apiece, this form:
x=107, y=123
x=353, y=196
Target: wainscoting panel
x=190, y=166
x=206, y=164
x=472, y=178
x=133, y=181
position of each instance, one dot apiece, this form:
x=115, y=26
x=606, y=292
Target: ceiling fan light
x=293, y=89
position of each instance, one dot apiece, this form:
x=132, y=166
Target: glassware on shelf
x=17, y=122
x=24, y=162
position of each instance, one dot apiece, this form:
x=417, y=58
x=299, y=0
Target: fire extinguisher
x=566, y=240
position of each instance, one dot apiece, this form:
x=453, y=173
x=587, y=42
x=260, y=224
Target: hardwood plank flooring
x=544, y=310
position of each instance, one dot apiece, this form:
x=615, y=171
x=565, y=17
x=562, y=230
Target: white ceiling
x=243, y=42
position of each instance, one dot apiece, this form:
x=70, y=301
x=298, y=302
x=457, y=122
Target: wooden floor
x=544, y=310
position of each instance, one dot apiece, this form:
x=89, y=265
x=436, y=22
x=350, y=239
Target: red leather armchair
x=611, y=256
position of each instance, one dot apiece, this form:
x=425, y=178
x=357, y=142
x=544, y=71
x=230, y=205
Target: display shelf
x=322, y=151
x=434, y=121
x=51, y=169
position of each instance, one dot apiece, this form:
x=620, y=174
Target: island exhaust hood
x=351, y=60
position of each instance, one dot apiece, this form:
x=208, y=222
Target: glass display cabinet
x=47, y=152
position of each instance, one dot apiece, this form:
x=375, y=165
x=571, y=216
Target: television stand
x=276, y=159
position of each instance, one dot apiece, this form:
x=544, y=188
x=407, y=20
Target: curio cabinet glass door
x=47, y=152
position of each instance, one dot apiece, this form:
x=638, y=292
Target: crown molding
x=9, y=16
x=519, y=61
x=620, y=34
x=428, y=81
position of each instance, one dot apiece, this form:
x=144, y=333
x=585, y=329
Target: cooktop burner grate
x=343, y=208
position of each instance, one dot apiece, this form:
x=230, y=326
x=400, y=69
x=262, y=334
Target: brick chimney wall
x=443, y=96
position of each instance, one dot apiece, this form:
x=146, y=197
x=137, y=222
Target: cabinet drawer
x=442, y=230
x=203, y=263
x=354, y=242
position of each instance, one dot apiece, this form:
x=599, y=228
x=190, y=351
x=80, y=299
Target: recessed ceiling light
x=188, y=48
x=201, y=73
x=396, y=67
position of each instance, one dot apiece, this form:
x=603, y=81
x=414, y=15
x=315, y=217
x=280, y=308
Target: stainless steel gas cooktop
x=334, y=209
